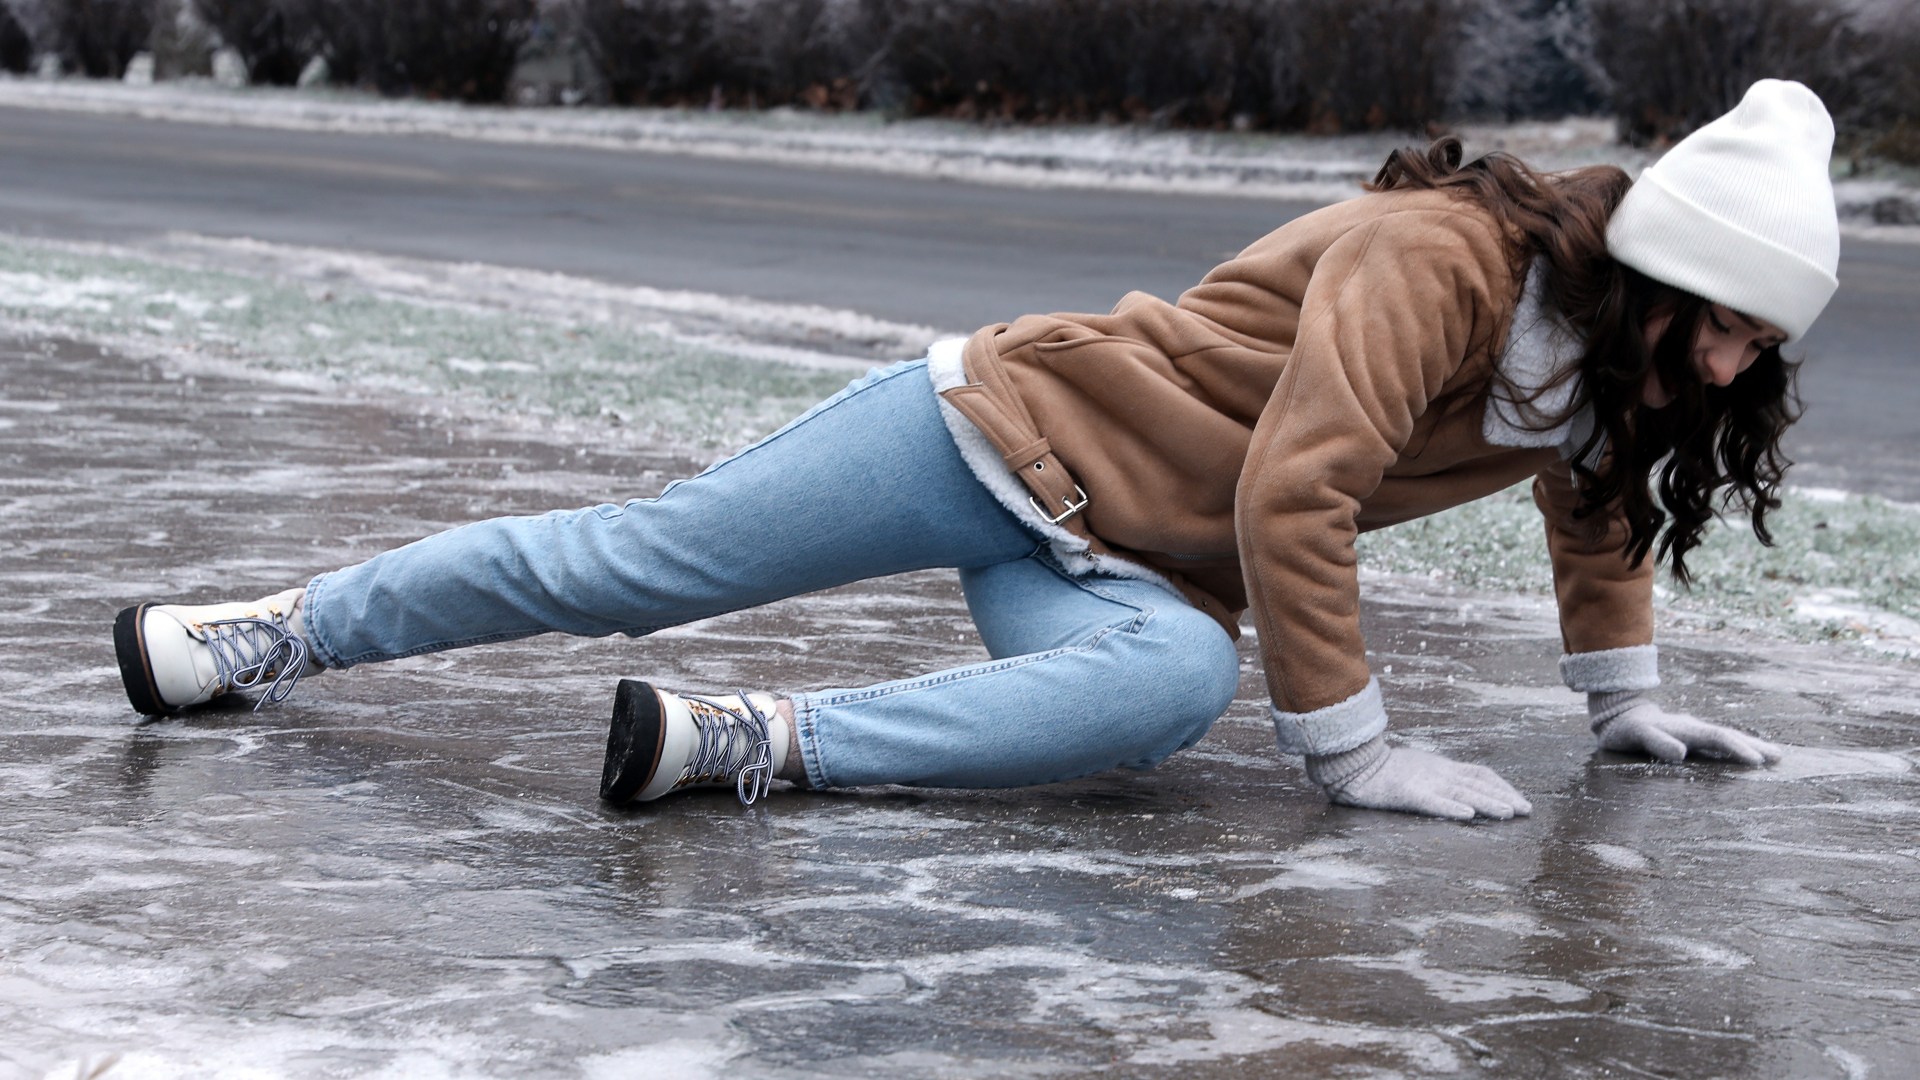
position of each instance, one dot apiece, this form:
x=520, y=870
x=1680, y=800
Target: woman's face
x=1727, y=343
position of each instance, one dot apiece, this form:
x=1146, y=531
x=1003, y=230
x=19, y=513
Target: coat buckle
x=1072, y=507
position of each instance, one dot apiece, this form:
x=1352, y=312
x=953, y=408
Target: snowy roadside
x=524, y=349
x=1297, y=167
x=587, y=362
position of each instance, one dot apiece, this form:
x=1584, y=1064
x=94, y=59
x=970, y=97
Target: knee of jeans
x=1185, y=678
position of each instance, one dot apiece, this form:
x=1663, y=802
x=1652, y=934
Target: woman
x=1116, y=489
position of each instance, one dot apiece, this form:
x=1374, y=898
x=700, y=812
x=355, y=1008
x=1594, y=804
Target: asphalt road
x=945, y=254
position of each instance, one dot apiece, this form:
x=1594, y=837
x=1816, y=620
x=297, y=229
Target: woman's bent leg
x=1089, y=674
x=865, y=484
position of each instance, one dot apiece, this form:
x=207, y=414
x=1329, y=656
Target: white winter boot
x=176, y=655
x=661, y=742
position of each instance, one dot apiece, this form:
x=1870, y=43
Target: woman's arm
x=1606, y=627
x=1393, y=310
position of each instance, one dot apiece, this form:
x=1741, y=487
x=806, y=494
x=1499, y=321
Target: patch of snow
x=673, y=1059
x=1821, y=494
x=1620, y=858
x=1139, y=998
x=1852, y=1065
x=1705, y=953
x=1808, y=762
x=1465, y=988
x=755, y=328
x=871, y=821
x=1316, y=874
x=1896, y=635
x=89, y=293
x=1507, y=922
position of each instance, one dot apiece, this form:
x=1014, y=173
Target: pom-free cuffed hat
x=1741, y=212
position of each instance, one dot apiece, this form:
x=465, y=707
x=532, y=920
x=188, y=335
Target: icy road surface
x=403, y=871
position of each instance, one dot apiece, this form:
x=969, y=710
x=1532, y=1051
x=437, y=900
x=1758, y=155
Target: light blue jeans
x=1087, y=673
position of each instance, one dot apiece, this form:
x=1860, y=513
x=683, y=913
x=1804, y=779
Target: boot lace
x=733, y=742
x=248, y=652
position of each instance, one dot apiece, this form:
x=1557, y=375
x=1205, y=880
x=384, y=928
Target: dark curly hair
x=1709, y=438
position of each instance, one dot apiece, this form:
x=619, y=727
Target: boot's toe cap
x=181, y=664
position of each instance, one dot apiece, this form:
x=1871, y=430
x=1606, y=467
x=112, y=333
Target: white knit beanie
x=1741, y=211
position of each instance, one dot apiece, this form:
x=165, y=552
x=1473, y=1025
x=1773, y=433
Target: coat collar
x=1525, y=406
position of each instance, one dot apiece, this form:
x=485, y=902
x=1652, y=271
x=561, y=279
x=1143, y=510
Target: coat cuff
x=1636, y=667
x=1335, y=729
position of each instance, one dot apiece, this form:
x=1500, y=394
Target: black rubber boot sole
x=635, y=739
x=136, y=672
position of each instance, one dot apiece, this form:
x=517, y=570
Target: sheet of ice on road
x=403, y=870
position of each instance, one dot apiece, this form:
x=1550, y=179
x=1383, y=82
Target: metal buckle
x=1072, y=507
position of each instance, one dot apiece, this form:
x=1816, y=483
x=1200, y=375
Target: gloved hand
x=1381, y=777
x=1625, y=720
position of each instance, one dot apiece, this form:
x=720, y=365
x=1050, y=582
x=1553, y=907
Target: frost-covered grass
x=565, y=365
x=1842, y=566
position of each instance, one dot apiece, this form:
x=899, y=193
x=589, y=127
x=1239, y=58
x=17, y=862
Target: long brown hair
x=1710, y=437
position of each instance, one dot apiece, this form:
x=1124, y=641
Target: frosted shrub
x=182, y=42
x=1892, y=112
x=651, y=51
x=276, y=38
x=783, y=51
x=727, y=52
x=1676, y=64
x=1177, y=61
x=463, y=50
x=16, y=49
x=1334, y=65
x=92, y=37
x=1373, y=64
x=1194, y=62
x=1329, y=65
x=1526, y=58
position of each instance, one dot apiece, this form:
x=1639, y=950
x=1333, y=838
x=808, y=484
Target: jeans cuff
x=316, y=644
x=1334, y=729
x=804, y=716
x=1636, y=667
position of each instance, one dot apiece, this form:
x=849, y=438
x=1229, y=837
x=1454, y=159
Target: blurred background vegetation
x=1658, y=67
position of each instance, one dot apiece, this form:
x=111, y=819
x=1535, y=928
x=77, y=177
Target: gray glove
x=1626, y=721
x=1381, y=777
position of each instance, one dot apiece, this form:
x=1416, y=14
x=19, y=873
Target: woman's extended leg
x=865, y=484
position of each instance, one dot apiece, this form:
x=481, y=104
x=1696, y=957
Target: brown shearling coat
x=1330, y=379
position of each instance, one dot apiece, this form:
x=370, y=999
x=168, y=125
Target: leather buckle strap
x=1043, y=474
x=1005, y=422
